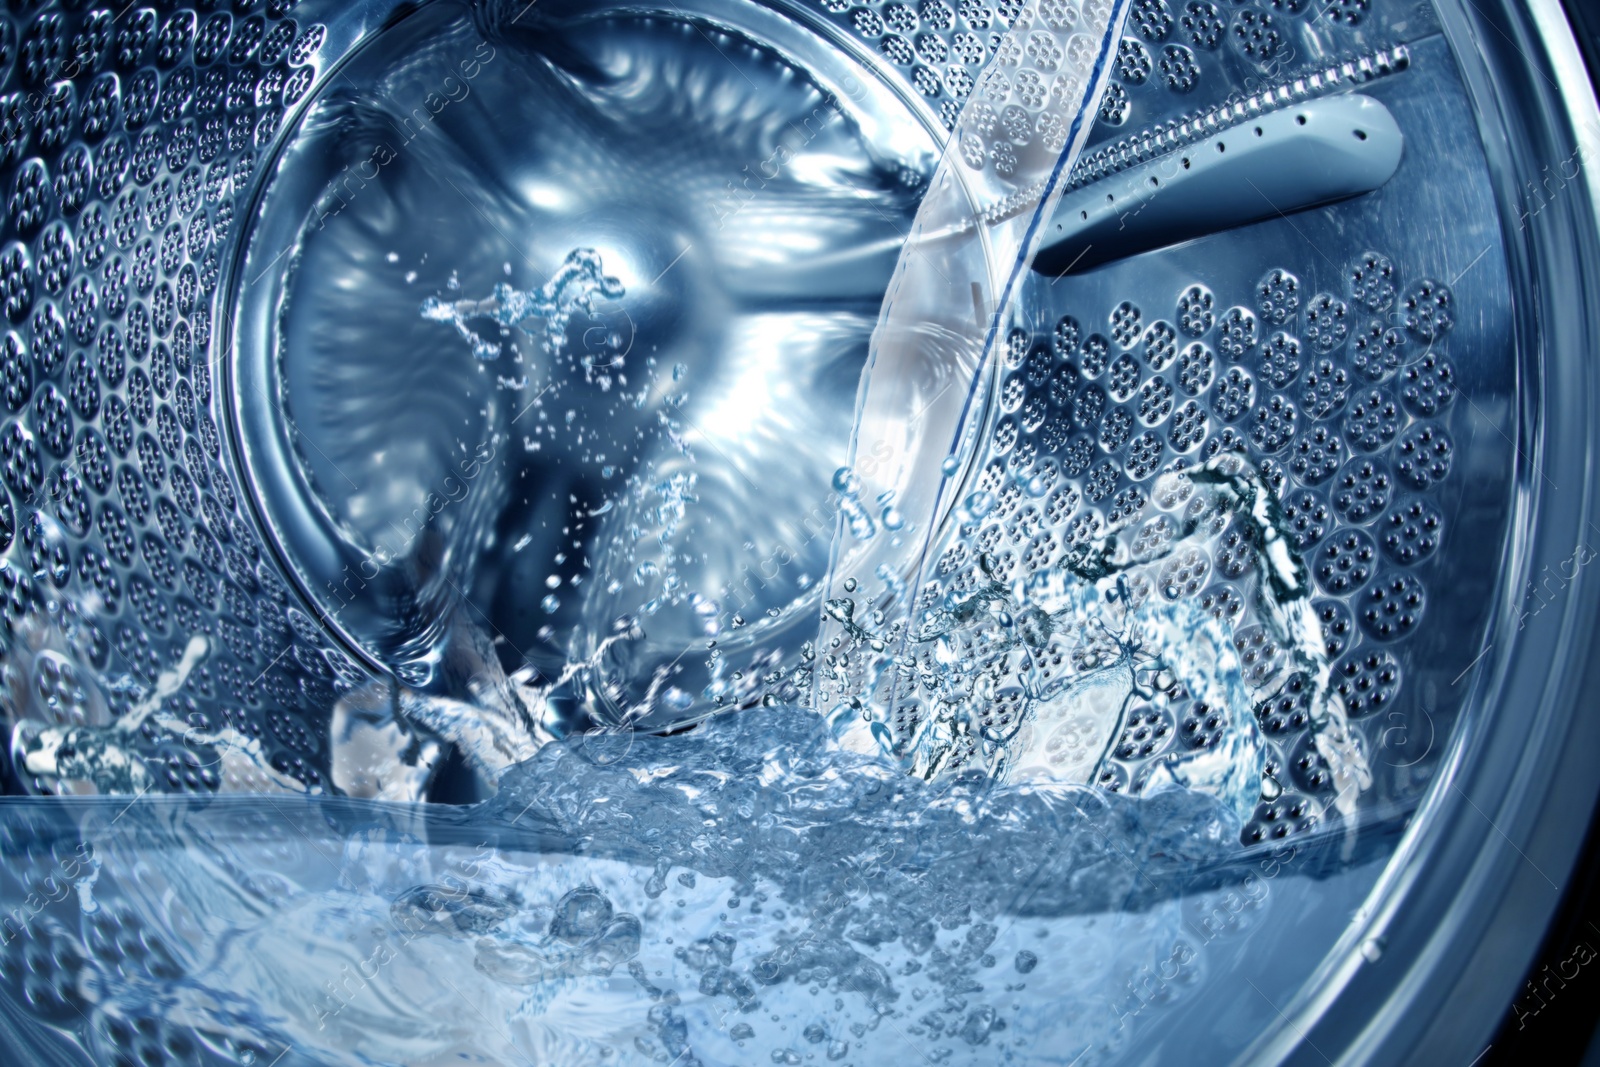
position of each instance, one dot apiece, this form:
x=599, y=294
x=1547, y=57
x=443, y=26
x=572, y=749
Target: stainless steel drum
x=393, y=388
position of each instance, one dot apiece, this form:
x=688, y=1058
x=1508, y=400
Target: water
x=1033, y=672
x=575, y=288
x=555, y=432
x=720, y=897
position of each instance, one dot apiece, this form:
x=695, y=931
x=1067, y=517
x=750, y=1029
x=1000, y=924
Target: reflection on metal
x=1287, y=161
x=751, y=201
x=1362, y=351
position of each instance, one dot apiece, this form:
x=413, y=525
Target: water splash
x=542, y=313
x=713, y=897
x=1036, y=675
x=79, y=747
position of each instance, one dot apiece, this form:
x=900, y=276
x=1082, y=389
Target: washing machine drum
x=1083, y=505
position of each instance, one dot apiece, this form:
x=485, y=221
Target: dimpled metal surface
x=129, y=142
x=1336, y=350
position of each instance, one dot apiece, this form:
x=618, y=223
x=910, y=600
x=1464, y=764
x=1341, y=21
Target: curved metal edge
x=348, y=30
x=785, y=26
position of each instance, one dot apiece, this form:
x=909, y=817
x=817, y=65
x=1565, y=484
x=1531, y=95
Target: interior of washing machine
x=728, y=531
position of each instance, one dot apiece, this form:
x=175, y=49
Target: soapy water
x=747, y=891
